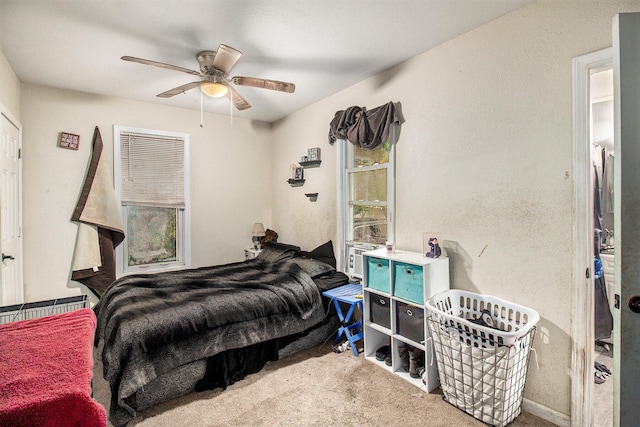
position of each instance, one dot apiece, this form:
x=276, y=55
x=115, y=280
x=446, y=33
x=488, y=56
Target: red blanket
x=45, y=372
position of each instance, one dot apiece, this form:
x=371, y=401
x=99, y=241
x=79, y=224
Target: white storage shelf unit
x=396, y=287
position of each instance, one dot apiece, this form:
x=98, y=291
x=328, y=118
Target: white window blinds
x=152, y=170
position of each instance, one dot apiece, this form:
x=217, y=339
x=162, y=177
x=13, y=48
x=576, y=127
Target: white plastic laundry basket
x=482, y=369
x=455, y=308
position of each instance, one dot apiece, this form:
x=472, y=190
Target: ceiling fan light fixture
x=214, y=89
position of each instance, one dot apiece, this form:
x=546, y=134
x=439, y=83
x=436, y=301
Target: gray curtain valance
x=365, y=128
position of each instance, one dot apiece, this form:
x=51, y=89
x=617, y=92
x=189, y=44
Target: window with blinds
x=151, y=182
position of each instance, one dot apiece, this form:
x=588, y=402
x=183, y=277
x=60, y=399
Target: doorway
x=583, y=307
x=11, y=288
x=626, y=322
x=592, y=404
x=602, y=154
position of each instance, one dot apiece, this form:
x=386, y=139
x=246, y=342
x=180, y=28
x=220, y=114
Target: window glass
x=151, y=235
x=367, y=180
x=369, y=224
x=366, y=198
x=362, y=157
x=369, y=185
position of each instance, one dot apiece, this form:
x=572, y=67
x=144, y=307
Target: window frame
x=183, y=219
x=345, y=205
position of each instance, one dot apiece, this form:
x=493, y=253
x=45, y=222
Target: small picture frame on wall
x=298, y=173
x=69, y=140
x=313, y=154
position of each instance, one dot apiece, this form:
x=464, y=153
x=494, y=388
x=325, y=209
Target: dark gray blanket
x=151, y=324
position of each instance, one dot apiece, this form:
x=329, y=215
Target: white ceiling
x=323, y=46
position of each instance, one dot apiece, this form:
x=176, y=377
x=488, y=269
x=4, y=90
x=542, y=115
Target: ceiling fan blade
x=226, y=58
x=239, y=102
x=264, y=84
x=159, y=64
x=177, y=90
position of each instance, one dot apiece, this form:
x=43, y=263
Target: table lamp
x=257, y=232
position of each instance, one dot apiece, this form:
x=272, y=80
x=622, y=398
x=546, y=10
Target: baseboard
x=546, y=413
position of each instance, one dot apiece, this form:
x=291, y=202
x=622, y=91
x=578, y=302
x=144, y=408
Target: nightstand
x=251, y=253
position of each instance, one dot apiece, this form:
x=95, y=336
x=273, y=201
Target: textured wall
x=485, y=157
x=297, y=219
x=9, y=88
x=230, y=178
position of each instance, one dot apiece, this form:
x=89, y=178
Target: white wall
x=9, y=88
x=485, y=157
x=296, y=219
x=230, y=178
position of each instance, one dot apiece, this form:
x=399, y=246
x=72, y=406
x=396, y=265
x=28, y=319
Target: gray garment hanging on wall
x=365, y=128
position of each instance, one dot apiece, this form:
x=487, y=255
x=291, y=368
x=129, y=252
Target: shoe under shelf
x=377, y=337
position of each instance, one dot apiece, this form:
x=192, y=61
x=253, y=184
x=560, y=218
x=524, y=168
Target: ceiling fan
x=214, y=71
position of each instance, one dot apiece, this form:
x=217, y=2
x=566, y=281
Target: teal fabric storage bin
x=378, y=274
x=408, y=283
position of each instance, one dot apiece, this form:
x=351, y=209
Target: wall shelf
x=312, y=196
x=311, y=163
x=297, y=172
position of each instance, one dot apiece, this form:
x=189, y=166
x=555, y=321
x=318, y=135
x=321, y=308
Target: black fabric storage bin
x=410, y=321
x=380, y=310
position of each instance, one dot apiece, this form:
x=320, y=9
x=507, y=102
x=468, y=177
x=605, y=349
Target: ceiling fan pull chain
x=201, y=124
x=231, y=107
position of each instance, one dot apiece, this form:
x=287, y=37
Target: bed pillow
x=322, y=253
x=274, y=252
x=331, y=280
x=312, y=267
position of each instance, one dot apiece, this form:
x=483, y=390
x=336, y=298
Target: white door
x=11, y=291
x=626, y=69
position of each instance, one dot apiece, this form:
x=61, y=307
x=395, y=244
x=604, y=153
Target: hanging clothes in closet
x=606, y=191
x=602, y=202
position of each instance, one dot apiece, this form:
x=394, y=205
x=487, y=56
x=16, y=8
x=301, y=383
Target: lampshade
x=214, y=89
x=258, y=230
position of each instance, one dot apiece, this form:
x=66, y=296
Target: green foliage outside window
x=362, y=157
x=370, y=224
x=151, y=235
x=368, y=195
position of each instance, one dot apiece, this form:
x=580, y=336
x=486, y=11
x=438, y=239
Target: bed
x=163, y=335
x=46, y=369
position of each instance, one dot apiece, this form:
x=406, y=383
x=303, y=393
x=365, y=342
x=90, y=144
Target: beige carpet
x=315, y=387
